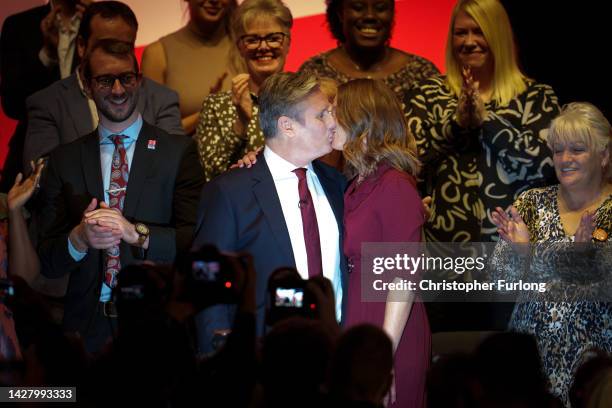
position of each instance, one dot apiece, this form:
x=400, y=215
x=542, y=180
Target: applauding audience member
x=195, y=60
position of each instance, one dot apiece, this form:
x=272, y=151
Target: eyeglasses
x=253, y=41
x=127, y=79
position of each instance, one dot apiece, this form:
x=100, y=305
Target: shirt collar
x=131, y=131
x=279, y=167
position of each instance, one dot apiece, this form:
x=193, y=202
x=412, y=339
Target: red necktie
x=116, y=195
x=310, y=226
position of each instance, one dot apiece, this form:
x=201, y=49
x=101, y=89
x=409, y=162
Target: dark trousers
x=102, y=330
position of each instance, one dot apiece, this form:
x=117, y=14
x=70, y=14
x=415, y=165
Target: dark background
x=566, y=44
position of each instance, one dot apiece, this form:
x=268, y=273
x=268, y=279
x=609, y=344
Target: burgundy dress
x=386, y=207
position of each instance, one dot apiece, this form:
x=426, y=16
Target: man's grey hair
x=280, y=95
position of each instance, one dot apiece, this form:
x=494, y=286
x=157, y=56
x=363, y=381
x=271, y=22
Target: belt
x=109, y=309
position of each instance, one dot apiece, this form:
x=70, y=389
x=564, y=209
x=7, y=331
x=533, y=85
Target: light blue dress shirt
x=107, y=147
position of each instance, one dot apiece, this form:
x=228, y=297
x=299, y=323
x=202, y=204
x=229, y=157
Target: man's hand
x=106, y=217
x=92, y=235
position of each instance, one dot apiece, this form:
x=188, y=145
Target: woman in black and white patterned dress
x=480, y=128
x=579, y=209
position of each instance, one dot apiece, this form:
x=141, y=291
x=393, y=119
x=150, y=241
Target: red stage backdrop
x=420, y=28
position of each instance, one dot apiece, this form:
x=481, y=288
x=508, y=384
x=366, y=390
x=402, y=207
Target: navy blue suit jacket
x=240, y=211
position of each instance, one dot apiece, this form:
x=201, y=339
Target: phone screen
x=289, y=297
x=205, y=271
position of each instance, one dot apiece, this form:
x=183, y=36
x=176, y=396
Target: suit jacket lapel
x=267, y=198
x=144, y=159
x=92, y=169
x=78, y=107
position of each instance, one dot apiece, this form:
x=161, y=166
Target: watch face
x=142, y=229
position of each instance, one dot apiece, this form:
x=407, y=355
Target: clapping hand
x=511, y=227
x=585, y=228
x=22, y=190
x=471, y=111
x=241, y=96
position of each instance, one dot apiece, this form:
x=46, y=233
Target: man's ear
x=286, y=126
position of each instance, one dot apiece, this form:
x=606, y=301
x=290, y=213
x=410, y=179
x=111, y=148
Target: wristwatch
x=143, y=233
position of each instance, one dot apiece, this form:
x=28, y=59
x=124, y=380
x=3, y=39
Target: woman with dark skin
x=363, y=30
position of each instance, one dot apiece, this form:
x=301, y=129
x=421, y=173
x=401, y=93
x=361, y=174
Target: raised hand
x=241, y=97
x=511, y=227
x=471, y=111
x=584, y=233
x=21, y=191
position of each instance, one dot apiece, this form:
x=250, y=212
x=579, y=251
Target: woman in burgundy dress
x=382, y=204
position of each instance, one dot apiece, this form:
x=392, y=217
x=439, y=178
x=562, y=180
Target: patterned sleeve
x=424, y=69
x=430, y=108
x=314, y=64
x=217, y=142
x=516, y=135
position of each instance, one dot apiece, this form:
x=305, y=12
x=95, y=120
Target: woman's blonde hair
x=246, y=13
x=373, y=119
x=508, y=80
x=582, y=122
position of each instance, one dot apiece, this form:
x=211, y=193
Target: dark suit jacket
x=163, y=191
x=240, y=211
x=21, y=72
x=60, y=114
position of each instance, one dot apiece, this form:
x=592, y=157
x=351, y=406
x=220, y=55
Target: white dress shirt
x=286, y=183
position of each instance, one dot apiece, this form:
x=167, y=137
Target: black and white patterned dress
x=564, y=330
x=470, y=172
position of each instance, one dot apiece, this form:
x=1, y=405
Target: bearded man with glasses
x=125, y=193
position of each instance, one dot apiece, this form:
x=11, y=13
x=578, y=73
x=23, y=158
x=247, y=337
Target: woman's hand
x=511, y=227
x=247, y=160
x=21, y=191
x=241, y=97
x=584, y=233
x=471, y=111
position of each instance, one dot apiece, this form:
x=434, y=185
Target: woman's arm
x=153, y=63
x=217, y=142
x=23, y=260
x=401, y=216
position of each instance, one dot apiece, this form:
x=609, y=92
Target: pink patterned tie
x=116, y=195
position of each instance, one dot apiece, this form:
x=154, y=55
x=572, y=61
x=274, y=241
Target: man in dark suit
x=261, y=210
x=34, y=44
x=147, y=184
x=62, y=112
